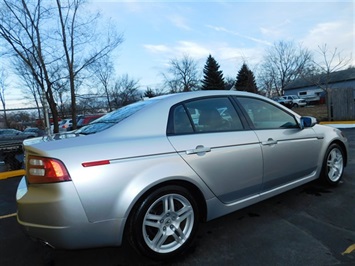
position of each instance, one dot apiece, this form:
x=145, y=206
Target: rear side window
x=114, y=117
x=204, y=115
x=181, y=121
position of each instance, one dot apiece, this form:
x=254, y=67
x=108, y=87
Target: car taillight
x=46, y=170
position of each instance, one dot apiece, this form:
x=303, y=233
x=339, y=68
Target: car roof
x=152, y=121
x=205, y=93
x=90, y=116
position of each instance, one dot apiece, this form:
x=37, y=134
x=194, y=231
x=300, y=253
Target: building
x=313, y=90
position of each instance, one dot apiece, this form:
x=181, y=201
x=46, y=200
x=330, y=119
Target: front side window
x=204, y=115
x=265, y=115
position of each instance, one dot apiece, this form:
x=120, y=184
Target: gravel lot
x=318, y=111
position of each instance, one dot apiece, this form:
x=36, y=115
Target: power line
x=21, y=109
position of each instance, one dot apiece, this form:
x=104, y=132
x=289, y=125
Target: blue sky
x=233, y=32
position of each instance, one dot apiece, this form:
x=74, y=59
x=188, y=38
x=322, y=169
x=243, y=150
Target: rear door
x=209, y=135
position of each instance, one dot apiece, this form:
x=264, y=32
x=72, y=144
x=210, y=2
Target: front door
x=283, y=143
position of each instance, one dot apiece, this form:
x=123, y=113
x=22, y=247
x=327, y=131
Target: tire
x=295, y=105
x=164, y=223
x=333, y=165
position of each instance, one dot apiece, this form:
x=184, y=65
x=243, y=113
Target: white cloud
x=230, y=58
x=250, y=38
x=192, y=49
x=325, y=28
x=179, y=22
x=157, y=48
x=276, y=31
x=242, y=54
x=336, y=35
x=180, y=48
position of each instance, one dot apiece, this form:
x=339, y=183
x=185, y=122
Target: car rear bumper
x=77, y=236
x=301, y=103
x=53, y=214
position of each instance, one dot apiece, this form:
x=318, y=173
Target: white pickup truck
x=297, y=101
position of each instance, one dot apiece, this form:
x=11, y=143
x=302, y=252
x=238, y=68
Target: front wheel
x=164, y=223
x=333, y=166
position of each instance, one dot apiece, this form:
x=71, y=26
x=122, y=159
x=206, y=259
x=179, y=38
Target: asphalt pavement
x=309, y=225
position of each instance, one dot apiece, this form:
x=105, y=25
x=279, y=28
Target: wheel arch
x=333, y=170
x=193, y=189
x=344, y=150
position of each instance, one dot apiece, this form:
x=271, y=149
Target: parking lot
x=309, y=225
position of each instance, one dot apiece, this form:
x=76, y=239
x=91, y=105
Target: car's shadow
x=211, y=234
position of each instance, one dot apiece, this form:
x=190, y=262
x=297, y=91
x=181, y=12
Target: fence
x=341, y=104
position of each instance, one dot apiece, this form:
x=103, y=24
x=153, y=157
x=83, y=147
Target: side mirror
x=307, y=121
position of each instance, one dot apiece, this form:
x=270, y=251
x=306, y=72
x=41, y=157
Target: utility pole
x=46, y=114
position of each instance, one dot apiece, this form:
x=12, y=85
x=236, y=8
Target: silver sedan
x=150, y=172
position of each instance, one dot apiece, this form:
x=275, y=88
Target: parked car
x=296, y=101
x=39, y=132
x=65, y=125
x=10, y=134
x=11, y=152
x=285, y=102
x=86, y=119
x=150, y=172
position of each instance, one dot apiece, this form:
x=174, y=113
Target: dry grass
x=317, y=111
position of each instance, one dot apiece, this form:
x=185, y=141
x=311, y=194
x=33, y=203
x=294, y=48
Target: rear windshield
x=113, y=118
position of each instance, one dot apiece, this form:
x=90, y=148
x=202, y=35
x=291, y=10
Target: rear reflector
x=96, y=163
x=46, y=170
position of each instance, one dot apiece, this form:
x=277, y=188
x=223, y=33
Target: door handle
x=270, y=141
x=198, y=149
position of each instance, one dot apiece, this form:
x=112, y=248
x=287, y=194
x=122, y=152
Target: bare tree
x=20, y=27
x=76, y=36
x=91, y=104
x=28, y=84
x=3, y=85
x=61, y=95
x=229, y=82
x=103, y=71
x=283, y=63
x=182, y=75
x=151, y=93
x=125, y=91
x=52, y=54
x=332, y=61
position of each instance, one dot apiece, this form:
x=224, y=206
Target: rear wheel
x=333, y=166
x=164, y=223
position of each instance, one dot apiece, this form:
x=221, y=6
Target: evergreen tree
x=245, y=80
x=212, y=77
